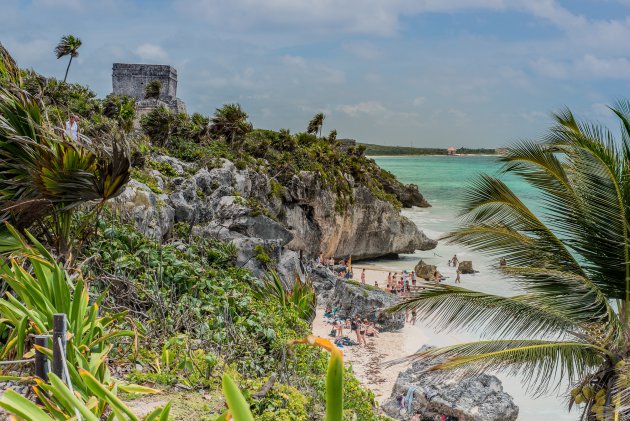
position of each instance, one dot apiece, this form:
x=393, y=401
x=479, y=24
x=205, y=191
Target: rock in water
x=425, y=271
x=473, y=398
x=351, y=298
x=466, y=267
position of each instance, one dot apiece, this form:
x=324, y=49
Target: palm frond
x=451, y=308
x=541, y=365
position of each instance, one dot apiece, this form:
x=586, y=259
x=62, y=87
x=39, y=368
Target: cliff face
x=369, y=227
x=240, y=206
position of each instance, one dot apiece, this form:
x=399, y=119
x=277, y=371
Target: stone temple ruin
x=131, y=79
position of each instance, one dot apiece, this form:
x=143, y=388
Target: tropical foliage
x=153, y=89
x=68, y=46
x=43, y=176
x=570, y=260
x=301, y=296
x=39, y=288
x=230, y=123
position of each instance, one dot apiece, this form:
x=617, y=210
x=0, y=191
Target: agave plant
x=43, y=177
x=301, y=297
x=40, y=288
x=571, y=260
x=60, y=403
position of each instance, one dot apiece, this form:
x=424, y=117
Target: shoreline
x=417, y=155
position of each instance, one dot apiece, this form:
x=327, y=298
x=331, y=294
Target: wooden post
x=41, y=366
x=59, y=332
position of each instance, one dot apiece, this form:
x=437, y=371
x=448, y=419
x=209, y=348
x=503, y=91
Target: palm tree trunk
x=67, y=68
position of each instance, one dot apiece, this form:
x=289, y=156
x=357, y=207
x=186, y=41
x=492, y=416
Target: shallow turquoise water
x=443, y=180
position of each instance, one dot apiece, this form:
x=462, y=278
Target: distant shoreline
x=414, y=155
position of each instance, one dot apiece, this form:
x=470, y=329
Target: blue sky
x=398, y=72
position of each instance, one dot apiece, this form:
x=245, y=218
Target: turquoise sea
x=443, y=180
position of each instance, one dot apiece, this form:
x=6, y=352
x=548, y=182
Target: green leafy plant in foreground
x=571, y=260
x=40, y=288
x=238, y=408
x=60, y=403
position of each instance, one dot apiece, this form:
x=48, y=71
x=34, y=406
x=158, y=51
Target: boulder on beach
x=472, y=398
x=425, y=271
x=466, y=267
x=351, y=298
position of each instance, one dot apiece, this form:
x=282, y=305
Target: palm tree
x=571, y=260
x=230, y=122
x=68, y=46
x=316, y=124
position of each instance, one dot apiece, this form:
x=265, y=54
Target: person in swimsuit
x=363, y=276
x=354, y=326
x=362, y=328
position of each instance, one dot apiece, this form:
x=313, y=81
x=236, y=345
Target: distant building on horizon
x=131, y=79
x=452, y=150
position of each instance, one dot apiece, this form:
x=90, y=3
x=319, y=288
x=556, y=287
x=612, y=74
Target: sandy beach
x=367, y=361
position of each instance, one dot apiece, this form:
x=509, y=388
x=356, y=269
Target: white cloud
x=590, y=66
x=296, y=61
x=151, y=52
x=368, y=107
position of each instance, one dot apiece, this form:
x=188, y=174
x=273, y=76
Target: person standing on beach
x=455, y=261
x=458, y=279
x=363, y=276
x=389, y=280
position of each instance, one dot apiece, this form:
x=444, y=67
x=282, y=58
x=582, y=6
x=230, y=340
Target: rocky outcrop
x=474, y=398
x=368, y=228
x=408, y=195
x=425, y=271
x=466, y=267
x=350, y=299
x=149, y=211
x=239, y=206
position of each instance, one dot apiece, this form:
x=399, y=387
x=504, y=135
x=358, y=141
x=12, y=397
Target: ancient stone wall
x=131, y=79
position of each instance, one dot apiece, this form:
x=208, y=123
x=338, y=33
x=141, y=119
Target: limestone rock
x=466, y=267
x=150, y=212
x=472, y=398
x=369, y=228
x=425, y=271
x=351, y=298
x=237, y=205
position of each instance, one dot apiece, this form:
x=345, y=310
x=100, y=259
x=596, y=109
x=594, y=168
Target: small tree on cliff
x=230, y=122
x=153, y=90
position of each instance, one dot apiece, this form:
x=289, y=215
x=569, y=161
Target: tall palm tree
x=68, y=46
x=230, y=122
x=571, y=260
x=316, y=124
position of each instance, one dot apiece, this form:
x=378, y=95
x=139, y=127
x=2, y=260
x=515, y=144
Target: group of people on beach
x=361, y=327
x=341, y=268
x=401, y=285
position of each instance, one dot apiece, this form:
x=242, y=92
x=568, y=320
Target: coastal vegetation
x=386, y=150
x=177, y=313
x=571, y=320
